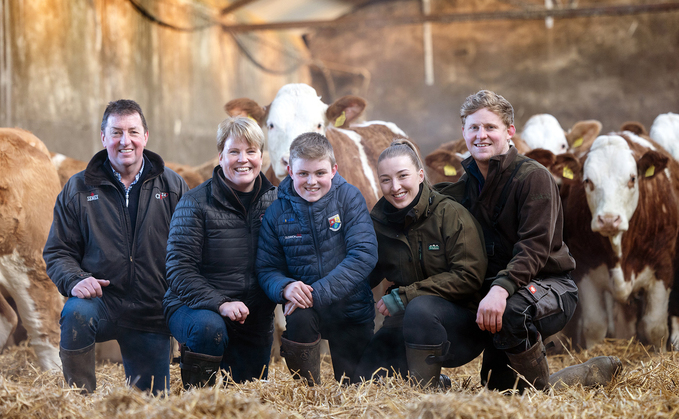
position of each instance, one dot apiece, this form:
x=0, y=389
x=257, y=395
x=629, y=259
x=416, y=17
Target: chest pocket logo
x=434, y=246
x=335, y=222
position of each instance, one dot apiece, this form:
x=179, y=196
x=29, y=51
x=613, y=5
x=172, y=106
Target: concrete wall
x=613, y=69
x=62, y=61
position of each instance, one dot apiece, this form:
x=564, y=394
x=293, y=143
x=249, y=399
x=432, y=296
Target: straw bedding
x=648, y=388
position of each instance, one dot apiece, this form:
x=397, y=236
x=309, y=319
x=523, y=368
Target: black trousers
x=428, y=320
x=540, y=309
x=347, y=340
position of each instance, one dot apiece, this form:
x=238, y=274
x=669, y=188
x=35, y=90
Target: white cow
x=665, y=131
x=544, y=131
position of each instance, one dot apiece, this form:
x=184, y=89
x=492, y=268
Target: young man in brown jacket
x=530, y=293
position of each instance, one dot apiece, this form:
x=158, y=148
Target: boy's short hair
x=311, y=146
x=240, y=127
x=491, y=101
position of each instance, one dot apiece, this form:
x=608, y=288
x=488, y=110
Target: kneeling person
x=317, y=247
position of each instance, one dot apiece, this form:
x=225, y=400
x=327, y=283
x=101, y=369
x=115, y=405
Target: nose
x=242, y=156
x=124, y=139
x=395, y=186
x=482, y=133
x=608, y=222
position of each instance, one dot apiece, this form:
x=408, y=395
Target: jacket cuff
x=505, y=283
x=393, y=302
x=74, y=281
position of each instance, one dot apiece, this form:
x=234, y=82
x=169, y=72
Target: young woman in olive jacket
x=432, y=250
x=214, y=305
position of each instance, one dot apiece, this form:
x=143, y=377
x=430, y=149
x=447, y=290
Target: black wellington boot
x=78, y=366
x=598, y=371
x=198, y=370
x=532, y=364
x=303, y=359
x=424, y=364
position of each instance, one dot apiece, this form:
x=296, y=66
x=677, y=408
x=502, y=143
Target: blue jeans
x=146, y=355
x=205, y=332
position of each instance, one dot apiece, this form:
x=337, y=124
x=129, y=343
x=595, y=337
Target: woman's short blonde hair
x=240, y=127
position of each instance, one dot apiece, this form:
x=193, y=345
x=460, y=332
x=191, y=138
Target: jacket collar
x=226, y=196
x=497, y=164
x=95, y=173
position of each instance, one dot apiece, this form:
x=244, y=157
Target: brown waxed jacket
x=527, y=241
x=439, y=251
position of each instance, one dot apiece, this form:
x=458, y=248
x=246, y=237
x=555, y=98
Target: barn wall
x=62, y=61
x=613, y=69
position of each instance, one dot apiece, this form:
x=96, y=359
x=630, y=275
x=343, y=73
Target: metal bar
x=537, y=14
x=234, y=6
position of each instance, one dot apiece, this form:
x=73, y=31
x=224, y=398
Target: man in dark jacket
x=317, y=247
x=530, y=294
x=106, y=254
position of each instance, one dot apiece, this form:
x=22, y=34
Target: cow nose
x=609, y=221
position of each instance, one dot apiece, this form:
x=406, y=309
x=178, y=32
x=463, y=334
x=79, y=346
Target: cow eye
x=632, y=180
x=563, y=146
x=589, y=184
x=270, y=125
x=319, y=126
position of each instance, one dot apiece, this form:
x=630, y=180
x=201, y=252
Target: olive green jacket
x=439, y=251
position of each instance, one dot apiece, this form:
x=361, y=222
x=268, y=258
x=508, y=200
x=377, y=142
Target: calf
x=29, y=185
x=622, y=225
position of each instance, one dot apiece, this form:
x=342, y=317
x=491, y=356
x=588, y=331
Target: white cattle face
x=295, y=110
x=610, y=174
x=544, y=131
x=665, y=131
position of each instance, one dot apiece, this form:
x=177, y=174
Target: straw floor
x=647, y=388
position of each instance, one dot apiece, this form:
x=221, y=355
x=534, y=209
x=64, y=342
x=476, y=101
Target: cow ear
x=521, y=146
x=582, y=134
x=443, y=166
x=246, y=107
x=568, y=167
x=345, y=110
x=542, y=156
x=635, y=127
x=651, y=163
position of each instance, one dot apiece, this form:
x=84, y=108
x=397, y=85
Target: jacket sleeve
x=65, y=245
x=184, y=258
x=361, y=248
x=466, y=258
x=538, y=210
x=271, y=264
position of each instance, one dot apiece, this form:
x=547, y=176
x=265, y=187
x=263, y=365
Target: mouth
x=399, y=195
x=312, y=190
x=125, y=151
x=482, y=145
x=243, y=170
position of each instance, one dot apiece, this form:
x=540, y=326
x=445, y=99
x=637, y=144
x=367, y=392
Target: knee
x=79, y=313
x=209, y=331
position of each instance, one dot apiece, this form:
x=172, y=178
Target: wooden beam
x=536, y=14
x=234, y=6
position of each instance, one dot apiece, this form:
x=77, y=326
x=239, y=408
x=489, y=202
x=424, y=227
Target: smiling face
x=486, y=136
x=399, y=180
x=311, y=178
x=124, y=139
x=241, y=163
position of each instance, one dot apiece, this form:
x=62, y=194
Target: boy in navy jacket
x=317, y=247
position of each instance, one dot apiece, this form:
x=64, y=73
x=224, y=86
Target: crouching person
x=214, y=305
x=317, y=247
x=530, y=294
x=106, y=252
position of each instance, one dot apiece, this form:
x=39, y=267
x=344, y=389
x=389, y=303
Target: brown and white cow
x=622, y=225
x=29, y=185
x=297, y=109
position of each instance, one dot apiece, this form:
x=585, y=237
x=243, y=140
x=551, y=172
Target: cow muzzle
x=608, y=224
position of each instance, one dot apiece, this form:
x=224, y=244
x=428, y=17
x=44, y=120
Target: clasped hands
x=298, y=295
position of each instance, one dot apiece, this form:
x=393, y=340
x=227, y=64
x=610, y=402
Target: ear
x=289, y=171
x=248, y=108
x=582, y=134
x=334, y=170
x=520, y=144
x=103, y=136
x=345, y=110
x=568, y=167
x=633, y=126
x=651, y=163
x=443, y=166
x=542, y=156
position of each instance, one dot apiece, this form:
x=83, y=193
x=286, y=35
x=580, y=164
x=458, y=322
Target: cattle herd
x=620, y=194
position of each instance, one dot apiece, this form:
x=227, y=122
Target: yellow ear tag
x=577, y=143
x=341, y=120
x=250, y=116
x=650, y=171
x=567, y=173
x=449, y=170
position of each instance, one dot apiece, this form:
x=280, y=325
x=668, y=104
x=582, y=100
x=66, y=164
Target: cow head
x=581, y=136
x=296, y=109
x=611, y=174
x=543, y=131
x=444, y=165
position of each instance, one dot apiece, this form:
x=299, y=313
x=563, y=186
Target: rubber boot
x=597, y=371
x=303, y=359
x=78, y=366
x=532, y=364
x=425, y=363
x=198, y=370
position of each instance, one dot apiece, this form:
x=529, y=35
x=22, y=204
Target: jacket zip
x=315, y=239
x=424, y=275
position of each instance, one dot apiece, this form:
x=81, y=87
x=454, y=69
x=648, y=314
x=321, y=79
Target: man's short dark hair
x=123, y=107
